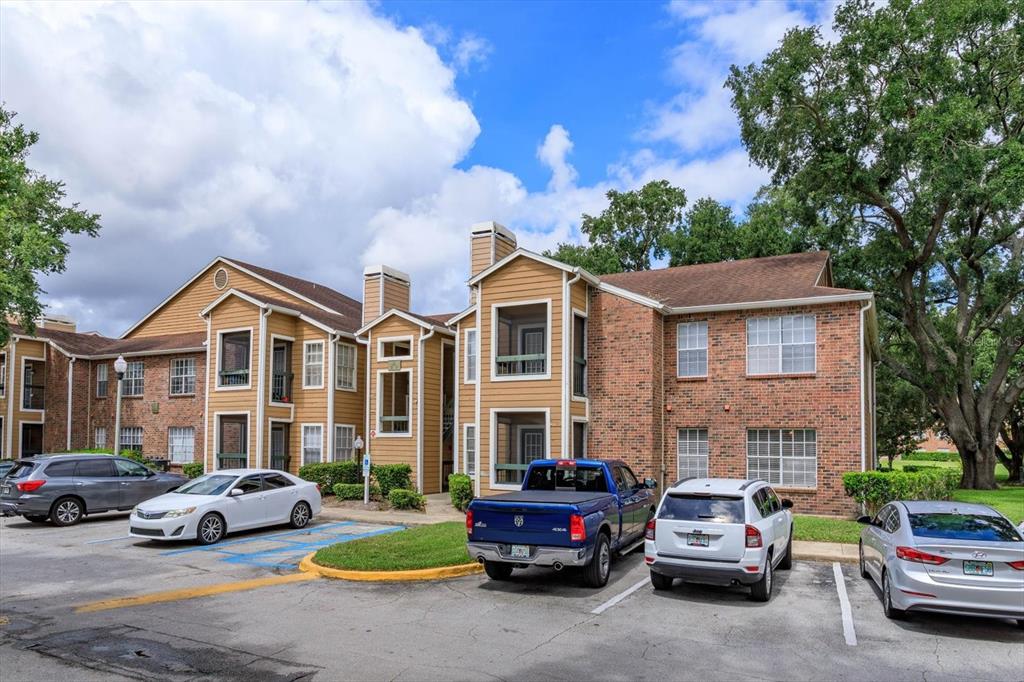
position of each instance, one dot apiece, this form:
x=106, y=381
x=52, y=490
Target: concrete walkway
x=439, y=509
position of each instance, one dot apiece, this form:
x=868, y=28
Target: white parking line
x=619, y=597
x=119, y=537
x=844, y=606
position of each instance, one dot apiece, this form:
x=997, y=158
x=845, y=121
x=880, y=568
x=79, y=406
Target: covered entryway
x=31, y=440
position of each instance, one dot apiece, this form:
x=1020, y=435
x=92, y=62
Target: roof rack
x=751, y=482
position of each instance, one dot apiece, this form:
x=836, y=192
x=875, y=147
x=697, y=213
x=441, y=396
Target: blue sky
x=318, y=138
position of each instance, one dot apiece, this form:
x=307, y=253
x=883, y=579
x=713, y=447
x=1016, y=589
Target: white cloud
x=471, y=50
x=553, y=152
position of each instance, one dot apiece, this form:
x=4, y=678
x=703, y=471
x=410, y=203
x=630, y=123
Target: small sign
x=366, y=465
x=394, y=365
x=373, y=433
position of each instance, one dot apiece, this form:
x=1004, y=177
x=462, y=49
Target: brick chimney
x=384, y=288
x=490, y=242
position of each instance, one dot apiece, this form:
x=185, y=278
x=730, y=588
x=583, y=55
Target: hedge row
x=400, y=498
x=876, y=488
x=329, y=474
x=932, y=457
x=460, y=488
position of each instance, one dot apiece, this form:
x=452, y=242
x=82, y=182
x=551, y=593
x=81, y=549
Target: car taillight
x=919, y=557
x=577, y=531
x=469, y=523
x=29, y=486
x=753, y=537
x=1019, y=565
x=649, y=532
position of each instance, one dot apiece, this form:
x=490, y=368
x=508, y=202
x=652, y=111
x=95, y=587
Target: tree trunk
x=979, y=468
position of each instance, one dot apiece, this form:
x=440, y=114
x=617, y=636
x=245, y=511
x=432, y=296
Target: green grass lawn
x=1001, y=473
x=819, y=529
x=1009, y=501
x=439, y=544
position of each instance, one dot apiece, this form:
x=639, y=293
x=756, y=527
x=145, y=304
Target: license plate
x=978, y=568
x=697, y=539
x=5, y=490
x=520, y=551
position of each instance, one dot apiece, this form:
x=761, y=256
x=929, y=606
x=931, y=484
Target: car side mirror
x=866, y=520
x=787, y=503
x=150, y=474
x=235, y=492
x=650, y=483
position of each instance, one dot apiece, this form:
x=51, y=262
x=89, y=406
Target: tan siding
x=393, y=450
x=480, y=254
x=371, y=299
x=233, y=313
x=25, y=348
x=502, y=248
x=432, y=415
x=310, y=403
x=396, y=295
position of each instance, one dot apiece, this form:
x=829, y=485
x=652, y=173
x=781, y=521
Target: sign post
x=366, y=470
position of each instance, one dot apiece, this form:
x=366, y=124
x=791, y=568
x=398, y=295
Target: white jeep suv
x=720, y=531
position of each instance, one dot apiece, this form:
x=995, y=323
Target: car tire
x=762, y=589
x=661, y=582
x=497, y=571
x=67, y=511
x=36, y=518
x=860, y=559
x=787, y=558
x=300, y=516
x=595, y=573
x=890, y=611
x=210, y=529
x=1020, y=623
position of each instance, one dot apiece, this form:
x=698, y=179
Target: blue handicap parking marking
x=258, y=538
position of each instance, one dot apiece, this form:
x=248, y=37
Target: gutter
x=260, y=385
x=10, y=395
x=778, y=303
x=419, y=411
x=71, y=376
x=328, y=440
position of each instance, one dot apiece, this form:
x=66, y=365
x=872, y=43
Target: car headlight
x=174, y=513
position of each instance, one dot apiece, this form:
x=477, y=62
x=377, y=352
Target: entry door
x=532, y=343
x=279, y=447
x=31, y=440
x=531, y=444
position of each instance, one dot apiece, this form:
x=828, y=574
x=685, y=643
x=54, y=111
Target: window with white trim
x=312, y=443
x=313, y=364
x=183, y=376
x=472, y=353
x=233, y=359
x=692, y=452
x=394, y=349
x=344, y=437
x=3, y=375
x=395, y=401
x=134, y=379
x=781, y=345
x=131, y=438
x=469, y=449
x=181, y=443
x=579, y=356
x=692, y=349
x=784, y=457
x=579, y=439
x=345, y=367
x=99, y=437
x=101, y=380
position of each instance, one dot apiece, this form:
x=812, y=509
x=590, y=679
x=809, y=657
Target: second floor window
x=234, y=359
x=183, y=376
x=579, y=356
x=345, y=367
x=781, y=345
x=313, y=365
x=33, y=378
x=472, y=352
x=134, y=379
x=3, y=375
x=692, y=349
x=395, y=402
x=101, y=380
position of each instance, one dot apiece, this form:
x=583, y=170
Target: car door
x=135, y=483
x=874, y=541
x=280, y=495
x=98, y=484
x=780, y=523
x=248, y=509
x=638, y=503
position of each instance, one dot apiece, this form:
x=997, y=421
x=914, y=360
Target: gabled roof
x=523, y=253
x=93, y=346
x=327, y=321
x=435, y=322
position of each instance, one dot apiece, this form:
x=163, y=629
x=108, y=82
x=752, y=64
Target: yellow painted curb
x=441, y=573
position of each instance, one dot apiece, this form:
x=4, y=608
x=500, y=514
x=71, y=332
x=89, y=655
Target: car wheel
x=301, y=514
x=860, y=557
x=762, y=589
x=497, y=571
x=1020, y=623
x=595, y=574
x=661, y=582
x=888, y=609
x=36, y=518
x=210, y=530
x=787, y=558
x=67, y=511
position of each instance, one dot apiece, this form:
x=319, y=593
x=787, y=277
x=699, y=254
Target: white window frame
x=220, y=352
x=495, y=307
x=576, y=312
x=216, y=434
x=693, y=451
x=468, y=456
x=337, y=439
x=183, y=377
x=493, y=443
x=380, y=401
x=780, y=345
x=96, y=441
x=473, y=345
x=338, y=385
x=680, y=335
x=141, y=378
x=170, y=442
x=391, y=339
x=306, y=364
x=302, y=443
x=120, y=438
x=19, y=397
x=782, y=457
x=105, y=380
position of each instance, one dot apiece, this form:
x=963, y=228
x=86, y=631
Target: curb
x=441, y=573
x=815, y=556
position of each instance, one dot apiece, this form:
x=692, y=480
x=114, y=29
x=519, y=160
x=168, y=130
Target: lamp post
x=358, y=445
x=119, y=369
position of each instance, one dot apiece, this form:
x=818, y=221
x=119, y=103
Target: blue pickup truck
x=570, y=512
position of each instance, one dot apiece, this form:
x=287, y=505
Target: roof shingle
x=88, y=344
x=324, y=295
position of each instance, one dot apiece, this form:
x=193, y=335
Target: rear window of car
x=21, y=470
x=963, y=527
x=61, y=469
x=580, y=479
x=709, y=508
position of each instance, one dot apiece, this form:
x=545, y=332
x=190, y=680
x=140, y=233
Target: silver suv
x=64, y=488
x=720, y=531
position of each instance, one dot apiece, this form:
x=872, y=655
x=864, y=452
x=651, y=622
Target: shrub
x=932, y=457
x=876, y=488
x=460, y=487
x=392, y=476
x=914, y=468
x=192, y=469
x=354, y=491
x=327, y=474
x=401, y=498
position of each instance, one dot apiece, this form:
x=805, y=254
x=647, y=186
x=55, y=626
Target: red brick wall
x=55, y=396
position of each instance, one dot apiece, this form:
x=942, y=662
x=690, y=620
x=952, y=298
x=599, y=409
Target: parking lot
x=540, y=625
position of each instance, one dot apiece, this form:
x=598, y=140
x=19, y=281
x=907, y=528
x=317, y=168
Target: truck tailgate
x=529, y=517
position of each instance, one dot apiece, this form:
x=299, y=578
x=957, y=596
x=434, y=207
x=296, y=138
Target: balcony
x=33, y=385
x=32, y=397
x=281, y=387
x=521, y=341
x=234, y=377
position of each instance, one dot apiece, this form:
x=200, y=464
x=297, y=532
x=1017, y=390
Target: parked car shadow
x=735, y=595
x=568, y=582
x=19, y=522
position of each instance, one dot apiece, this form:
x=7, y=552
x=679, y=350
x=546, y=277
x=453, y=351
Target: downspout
x=206, y=400
x=11, y=395
x=71, y=376
x=566, y=365
x=456, y=427
x=479, y=382
x=366, y=392
x=863, y=392
x=332, y=339
x=419, y=412
x=261, y=385
x=661, y=405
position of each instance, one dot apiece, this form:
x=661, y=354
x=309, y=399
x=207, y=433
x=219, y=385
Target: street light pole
x=119, y=369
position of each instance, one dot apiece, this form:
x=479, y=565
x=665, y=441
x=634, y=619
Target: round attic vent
x=220, y=278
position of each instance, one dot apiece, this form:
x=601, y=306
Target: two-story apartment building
x=758, y=368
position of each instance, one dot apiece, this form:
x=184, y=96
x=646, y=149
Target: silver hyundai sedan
x=946, y=557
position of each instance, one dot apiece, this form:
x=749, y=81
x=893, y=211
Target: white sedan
x=209, y=507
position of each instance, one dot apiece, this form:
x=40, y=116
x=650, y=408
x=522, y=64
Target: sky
x=318, y=138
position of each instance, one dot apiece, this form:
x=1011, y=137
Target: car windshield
x=963, y=527
x=579, y=478
x=708, y=508
x=211, y=484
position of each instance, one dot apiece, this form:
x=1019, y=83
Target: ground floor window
x=344, y=437
x=181, y=443
x=469, y=449
x=692, y=451
x=312, y=443
x=579, y=440
x=785, y=457
x=233, y=441
x=519, y=438
x=99, y=437
x=131, y=438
